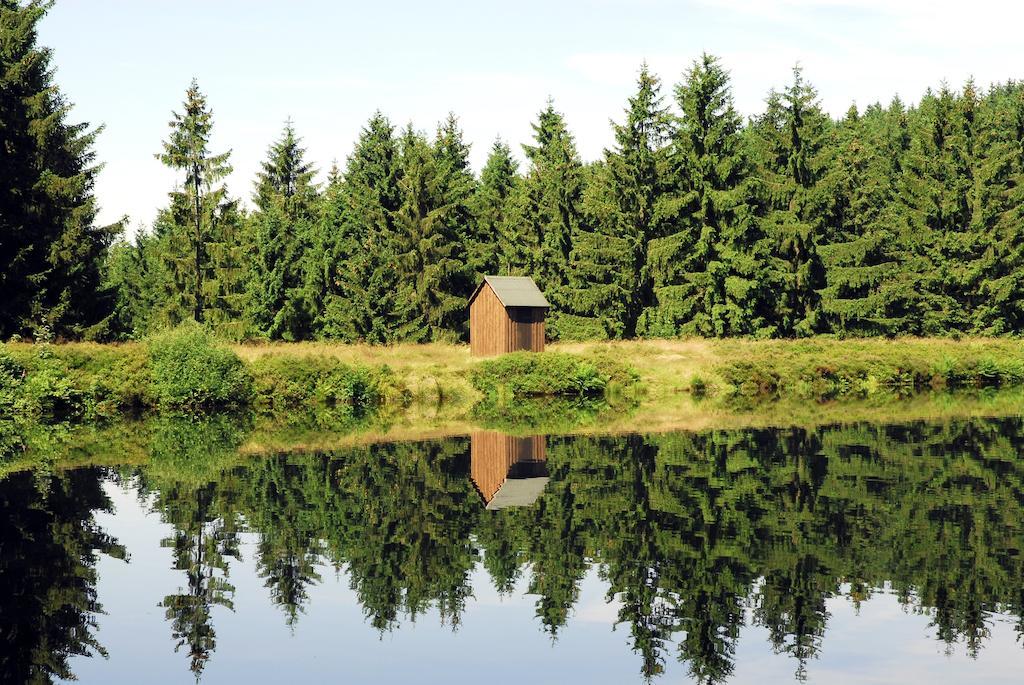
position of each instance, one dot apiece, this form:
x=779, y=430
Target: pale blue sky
x=329, y=65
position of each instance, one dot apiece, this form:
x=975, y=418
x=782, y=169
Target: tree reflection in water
x=697, y=535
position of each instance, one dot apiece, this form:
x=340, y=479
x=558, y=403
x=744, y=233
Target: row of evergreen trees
x=894, y=220
x=891, y=220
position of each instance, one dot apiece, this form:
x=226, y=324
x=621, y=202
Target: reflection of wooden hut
x=508, y=471
x=506, y=314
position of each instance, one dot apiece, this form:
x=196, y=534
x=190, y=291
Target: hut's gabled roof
x=517, y=492
x=514, y=291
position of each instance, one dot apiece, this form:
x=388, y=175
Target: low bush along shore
x=187, y=370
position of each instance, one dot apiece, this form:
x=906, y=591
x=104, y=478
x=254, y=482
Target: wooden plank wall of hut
x=489, y=324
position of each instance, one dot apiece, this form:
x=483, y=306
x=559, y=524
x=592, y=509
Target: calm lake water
x=853, y=554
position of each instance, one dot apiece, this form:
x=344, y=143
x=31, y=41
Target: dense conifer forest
x=897, y=218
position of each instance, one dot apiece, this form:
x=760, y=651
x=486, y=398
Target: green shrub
x=129, y=386
x=823, y=371
x=12, y=373
x=699, y=386
x=530, y=374
x=38, y=385
x=190, y=370
x=283, y=382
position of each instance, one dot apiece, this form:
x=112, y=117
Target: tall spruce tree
x=935, y=208
x=791, y=146
x=1002, y=285
x=359, y=245
x=316, y=266
x=457, y=189
x=550, y=209
x=622, y=202
x=286, y=202
x=431, y=257
x=521, y=236
x=226, y=293
x=201, y=217
x=707, y=270
x=862, y=251
x=51, y=251
x=495, y=249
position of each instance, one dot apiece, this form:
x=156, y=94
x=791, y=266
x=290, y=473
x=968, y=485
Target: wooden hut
x=508, y=471
x=506, y=314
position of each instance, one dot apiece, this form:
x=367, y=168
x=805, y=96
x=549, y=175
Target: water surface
x=856, y=554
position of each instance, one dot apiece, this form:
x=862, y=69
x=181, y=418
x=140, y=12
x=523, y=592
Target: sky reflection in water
x=735, y=556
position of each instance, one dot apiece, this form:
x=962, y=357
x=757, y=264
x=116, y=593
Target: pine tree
x=550, y=209
x=225, y=283
x=360, y=245
x=199, y=206
x=706, y=271
x=520, y=234
x=457, y=190
x=492, y=250
x=935, y=209
x=862, y=251
x=791, y=144
x=431, y=259
x=286, y=202
x=1002, y=285
x=316, y=266
x=51, y=252
x=621, y=203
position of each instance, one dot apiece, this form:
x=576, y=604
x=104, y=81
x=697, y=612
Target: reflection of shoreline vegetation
x=50, y=546
x=245, y=435
x=557, y=415
x=689, y=530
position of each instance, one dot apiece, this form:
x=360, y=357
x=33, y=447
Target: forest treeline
x=893, y=219
x=698, y=537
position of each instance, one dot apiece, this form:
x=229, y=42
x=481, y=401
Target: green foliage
x=534, y=415
x=191, y=370
x=707, y=261
x=52, y=252
x=623, y=203
x=827, y=370
x=203, y=248
x=791, y=146
x=528, y=374
x=12, y=375
x=492, y=248
x=278, y=304
x=430, y=267
x=696, y=536
x=283, y=383
x=548, y=210
x=889, y=221
x=358, y=242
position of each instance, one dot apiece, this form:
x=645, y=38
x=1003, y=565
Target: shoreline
x=433, y=391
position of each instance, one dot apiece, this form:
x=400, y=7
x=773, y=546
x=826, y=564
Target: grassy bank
x=629, y=384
